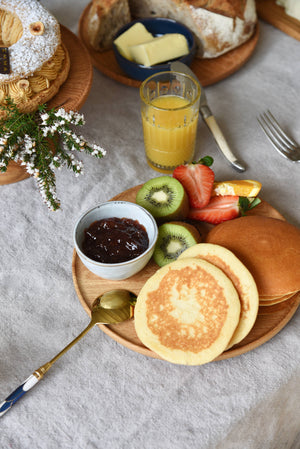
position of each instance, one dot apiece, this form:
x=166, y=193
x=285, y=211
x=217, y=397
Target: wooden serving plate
x=274, y=14
x=269, y=322
x=209, y=71
x=71, y=95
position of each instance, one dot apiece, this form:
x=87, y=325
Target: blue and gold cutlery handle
x=18, y=393
x=38, y=374
x=119, y=311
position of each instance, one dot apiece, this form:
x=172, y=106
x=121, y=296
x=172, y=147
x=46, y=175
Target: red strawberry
x=223, y=208
x=197, y=179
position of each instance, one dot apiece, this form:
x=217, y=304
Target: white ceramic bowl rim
x=130, y=204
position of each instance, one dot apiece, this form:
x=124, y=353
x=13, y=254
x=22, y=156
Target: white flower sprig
x=43, y=141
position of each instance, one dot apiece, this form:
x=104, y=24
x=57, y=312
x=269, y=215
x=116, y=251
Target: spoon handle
x=38, y=374
x=18, y=393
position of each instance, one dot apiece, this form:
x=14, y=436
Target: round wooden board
x=270, y=320
x=209, y=71
x=71, y=95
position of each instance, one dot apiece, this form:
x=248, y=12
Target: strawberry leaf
x=246, y=204
x=254, y=202
x=206, y=160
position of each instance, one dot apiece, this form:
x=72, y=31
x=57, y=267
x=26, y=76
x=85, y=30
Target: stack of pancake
x=193, y=309
x=269, y=248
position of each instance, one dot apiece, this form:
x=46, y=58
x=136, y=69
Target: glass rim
x=144, y=99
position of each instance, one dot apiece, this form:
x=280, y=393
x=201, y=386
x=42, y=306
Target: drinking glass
x=170, y=109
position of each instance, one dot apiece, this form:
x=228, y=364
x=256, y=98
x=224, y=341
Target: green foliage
x=246, y=204
x=43, y=141
x=206, y=160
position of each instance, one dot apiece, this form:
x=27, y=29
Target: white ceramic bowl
x=119, y=209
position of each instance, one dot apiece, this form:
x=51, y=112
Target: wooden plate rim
x=290, y=305
x=274, y=14
x=209, y=71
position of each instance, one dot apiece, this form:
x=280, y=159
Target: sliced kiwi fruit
x=165, y=198
x=173, y=239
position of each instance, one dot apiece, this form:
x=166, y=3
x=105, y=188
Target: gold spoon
x=110, y=308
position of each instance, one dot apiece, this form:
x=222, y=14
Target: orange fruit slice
x=245, y=187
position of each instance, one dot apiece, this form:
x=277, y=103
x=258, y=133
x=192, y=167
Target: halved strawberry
x=198, y=180
x=223, y=208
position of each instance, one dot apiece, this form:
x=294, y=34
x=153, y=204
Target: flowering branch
x=43, y=141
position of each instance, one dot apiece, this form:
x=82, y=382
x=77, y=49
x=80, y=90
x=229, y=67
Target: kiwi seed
x=165, y=198
x=173, y=239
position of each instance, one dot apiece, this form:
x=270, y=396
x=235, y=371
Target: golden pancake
x=268, y=247
x=272, y=302
x=272, y=298
x=241, y=278
x=187, y=312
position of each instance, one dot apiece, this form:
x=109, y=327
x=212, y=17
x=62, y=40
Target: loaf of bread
x=218, y=25
x=105, y=18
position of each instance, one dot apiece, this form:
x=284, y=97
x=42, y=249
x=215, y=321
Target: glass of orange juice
x=170, y=109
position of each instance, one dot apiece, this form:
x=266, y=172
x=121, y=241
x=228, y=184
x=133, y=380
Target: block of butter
x=137, y=34
x=160, y=49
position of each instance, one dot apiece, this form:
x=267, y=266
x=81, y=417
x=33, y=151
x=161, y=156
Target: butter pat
x=160, y=49
x=137, y=34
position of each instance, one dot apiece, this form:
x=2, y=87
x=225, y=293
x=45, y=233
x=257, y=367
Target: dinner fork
x=283, y=143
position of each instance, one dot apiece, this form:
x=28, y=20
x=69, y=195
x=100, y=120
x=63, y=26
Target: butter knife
x=209, y=119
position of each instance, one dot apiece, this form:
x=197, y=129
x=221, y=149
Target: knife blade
x=209, y=119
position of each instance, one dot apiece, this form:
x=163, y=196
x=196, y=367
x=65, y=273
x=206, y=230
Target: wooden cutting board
x=88, y=286
x=272, y=13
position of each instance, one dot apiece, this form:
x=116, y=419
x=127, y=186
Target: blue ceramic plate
x=156, y=26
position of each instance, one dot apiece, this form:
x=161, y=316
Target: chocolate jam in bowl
x=115, y=240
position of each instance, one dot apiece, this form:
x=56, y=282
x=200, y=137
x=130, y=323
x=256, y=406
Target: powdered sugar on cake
x=30, y=52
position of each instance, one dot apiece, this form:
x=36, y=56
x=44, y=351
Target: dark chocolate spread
x=114, y=240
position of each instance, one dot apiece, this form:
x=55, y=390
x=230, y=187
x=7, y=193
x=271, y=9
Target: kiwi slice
x=165, y=198
x=173, y=239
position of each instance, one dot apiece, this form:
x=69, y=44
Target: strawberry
x=223, y=208
x=197, y=179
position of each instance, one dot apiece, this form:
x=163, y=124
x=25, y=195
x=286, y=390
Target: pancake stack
x=197, y=307
x=190, y=311
x=269, y=248
x=241, y=278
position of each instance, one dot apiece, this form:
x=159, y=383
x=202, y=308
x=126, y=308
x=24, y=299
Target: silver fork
x=283, y=143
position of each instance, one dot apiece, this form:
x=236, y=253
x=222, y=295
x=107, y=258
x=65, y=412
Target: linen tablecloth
x=101, y=394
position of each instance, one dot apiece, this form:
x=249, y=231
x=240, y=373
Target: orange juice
x=170, y=127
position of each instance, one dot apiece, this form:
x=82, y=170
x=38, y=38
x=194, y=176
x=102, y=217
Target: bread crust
x=105, y=17
x=218, y=25
x=229, y=8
